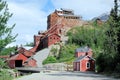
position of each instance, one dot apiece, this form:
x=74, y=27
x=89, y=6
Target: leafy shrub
x=67, y=53
x=5, y=75
x=50, y=59
x=3, y=64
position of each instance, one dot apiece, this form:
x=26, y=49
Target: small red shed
x=84, y=63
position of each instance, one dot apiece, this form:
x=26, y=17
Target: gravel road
x=65, y=76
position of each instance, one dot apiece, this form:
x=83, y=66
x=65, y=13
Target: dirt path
x=65, y=76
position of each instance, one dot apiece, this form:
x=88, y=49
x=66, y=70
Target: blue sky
x=30, y=16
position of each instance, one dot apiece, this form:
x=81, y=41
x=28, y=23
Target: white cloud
x=29, y=20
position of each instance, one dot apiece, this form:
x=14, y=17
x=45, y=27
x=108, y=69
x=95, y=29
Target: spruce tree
x=5, y=30
x=111, y=45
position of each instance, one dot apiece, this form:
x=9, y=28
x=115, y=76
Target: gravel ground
x=65, y=76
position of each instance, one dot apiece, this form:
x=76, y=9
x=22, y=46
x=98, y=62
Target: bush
x=100, y=65
x=117, y=70
x=67, y=53
x=3, y=64
x=5, y=75
x=50, y=59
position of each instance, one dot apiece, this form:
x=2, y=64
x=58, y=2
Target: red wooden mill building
x=84, y=61
x=57, y=24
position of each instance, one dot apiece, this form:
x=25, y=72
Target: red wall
x=82, y=65
x=53, y=39
x=11, y=63
x=31, y=63
x=36, y=40
x=52, y=20
x=74, y=66
x=28, y=53
x=78, y=54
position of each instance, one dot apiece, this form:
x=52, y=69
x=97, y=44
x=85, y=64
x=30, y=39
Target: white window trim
x=88, y=63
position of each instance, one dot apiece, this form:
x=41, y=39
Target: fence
x=58, y=67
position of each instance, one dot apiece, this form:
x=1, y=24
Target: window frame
x=88, y=65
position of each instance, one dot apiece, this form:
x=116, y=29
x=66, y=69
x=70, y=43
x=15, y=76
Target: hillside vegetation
x=103, y=39
x=92, y=35
x=66, y=54
x=88, y=35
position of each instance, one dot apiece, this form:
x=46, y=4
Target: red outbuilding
x=84, y=63
x=22, y=58
x=16, y=60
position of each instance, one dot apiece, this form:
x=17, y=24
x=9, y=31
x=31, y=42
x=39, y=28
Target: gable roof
x=82, y=57
x=25, y=52
x=83, y=49
x=16, y=57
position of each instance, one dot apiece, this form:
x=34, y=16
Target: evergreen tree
x=111, y=49
x=5, y=30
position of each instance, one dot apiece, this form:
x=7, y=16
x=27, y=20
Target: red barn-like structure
x=21, y=58
x=16, y=60
x=84, y=61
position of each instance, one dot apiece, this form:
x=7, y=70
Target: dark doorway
x=18, y=63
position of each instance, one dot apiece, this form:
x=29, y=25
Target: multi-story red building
x=57, y=24
x=64, y=16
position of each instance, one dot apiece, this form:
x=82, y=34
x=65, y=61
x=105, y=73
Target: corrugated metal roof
x=66, y=9
x=83, y=49
x=14, y=57
x=78, y=59
x=27, y=47
x=68, y=15
x=81, y=57
x=59, y=10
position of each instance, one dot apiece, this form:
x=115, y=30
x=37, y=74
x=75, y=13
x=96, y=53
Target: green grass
x=66, y=54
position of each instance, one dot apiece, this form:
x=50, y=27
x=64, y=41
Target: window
x=50, y=37
x=88, y=65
